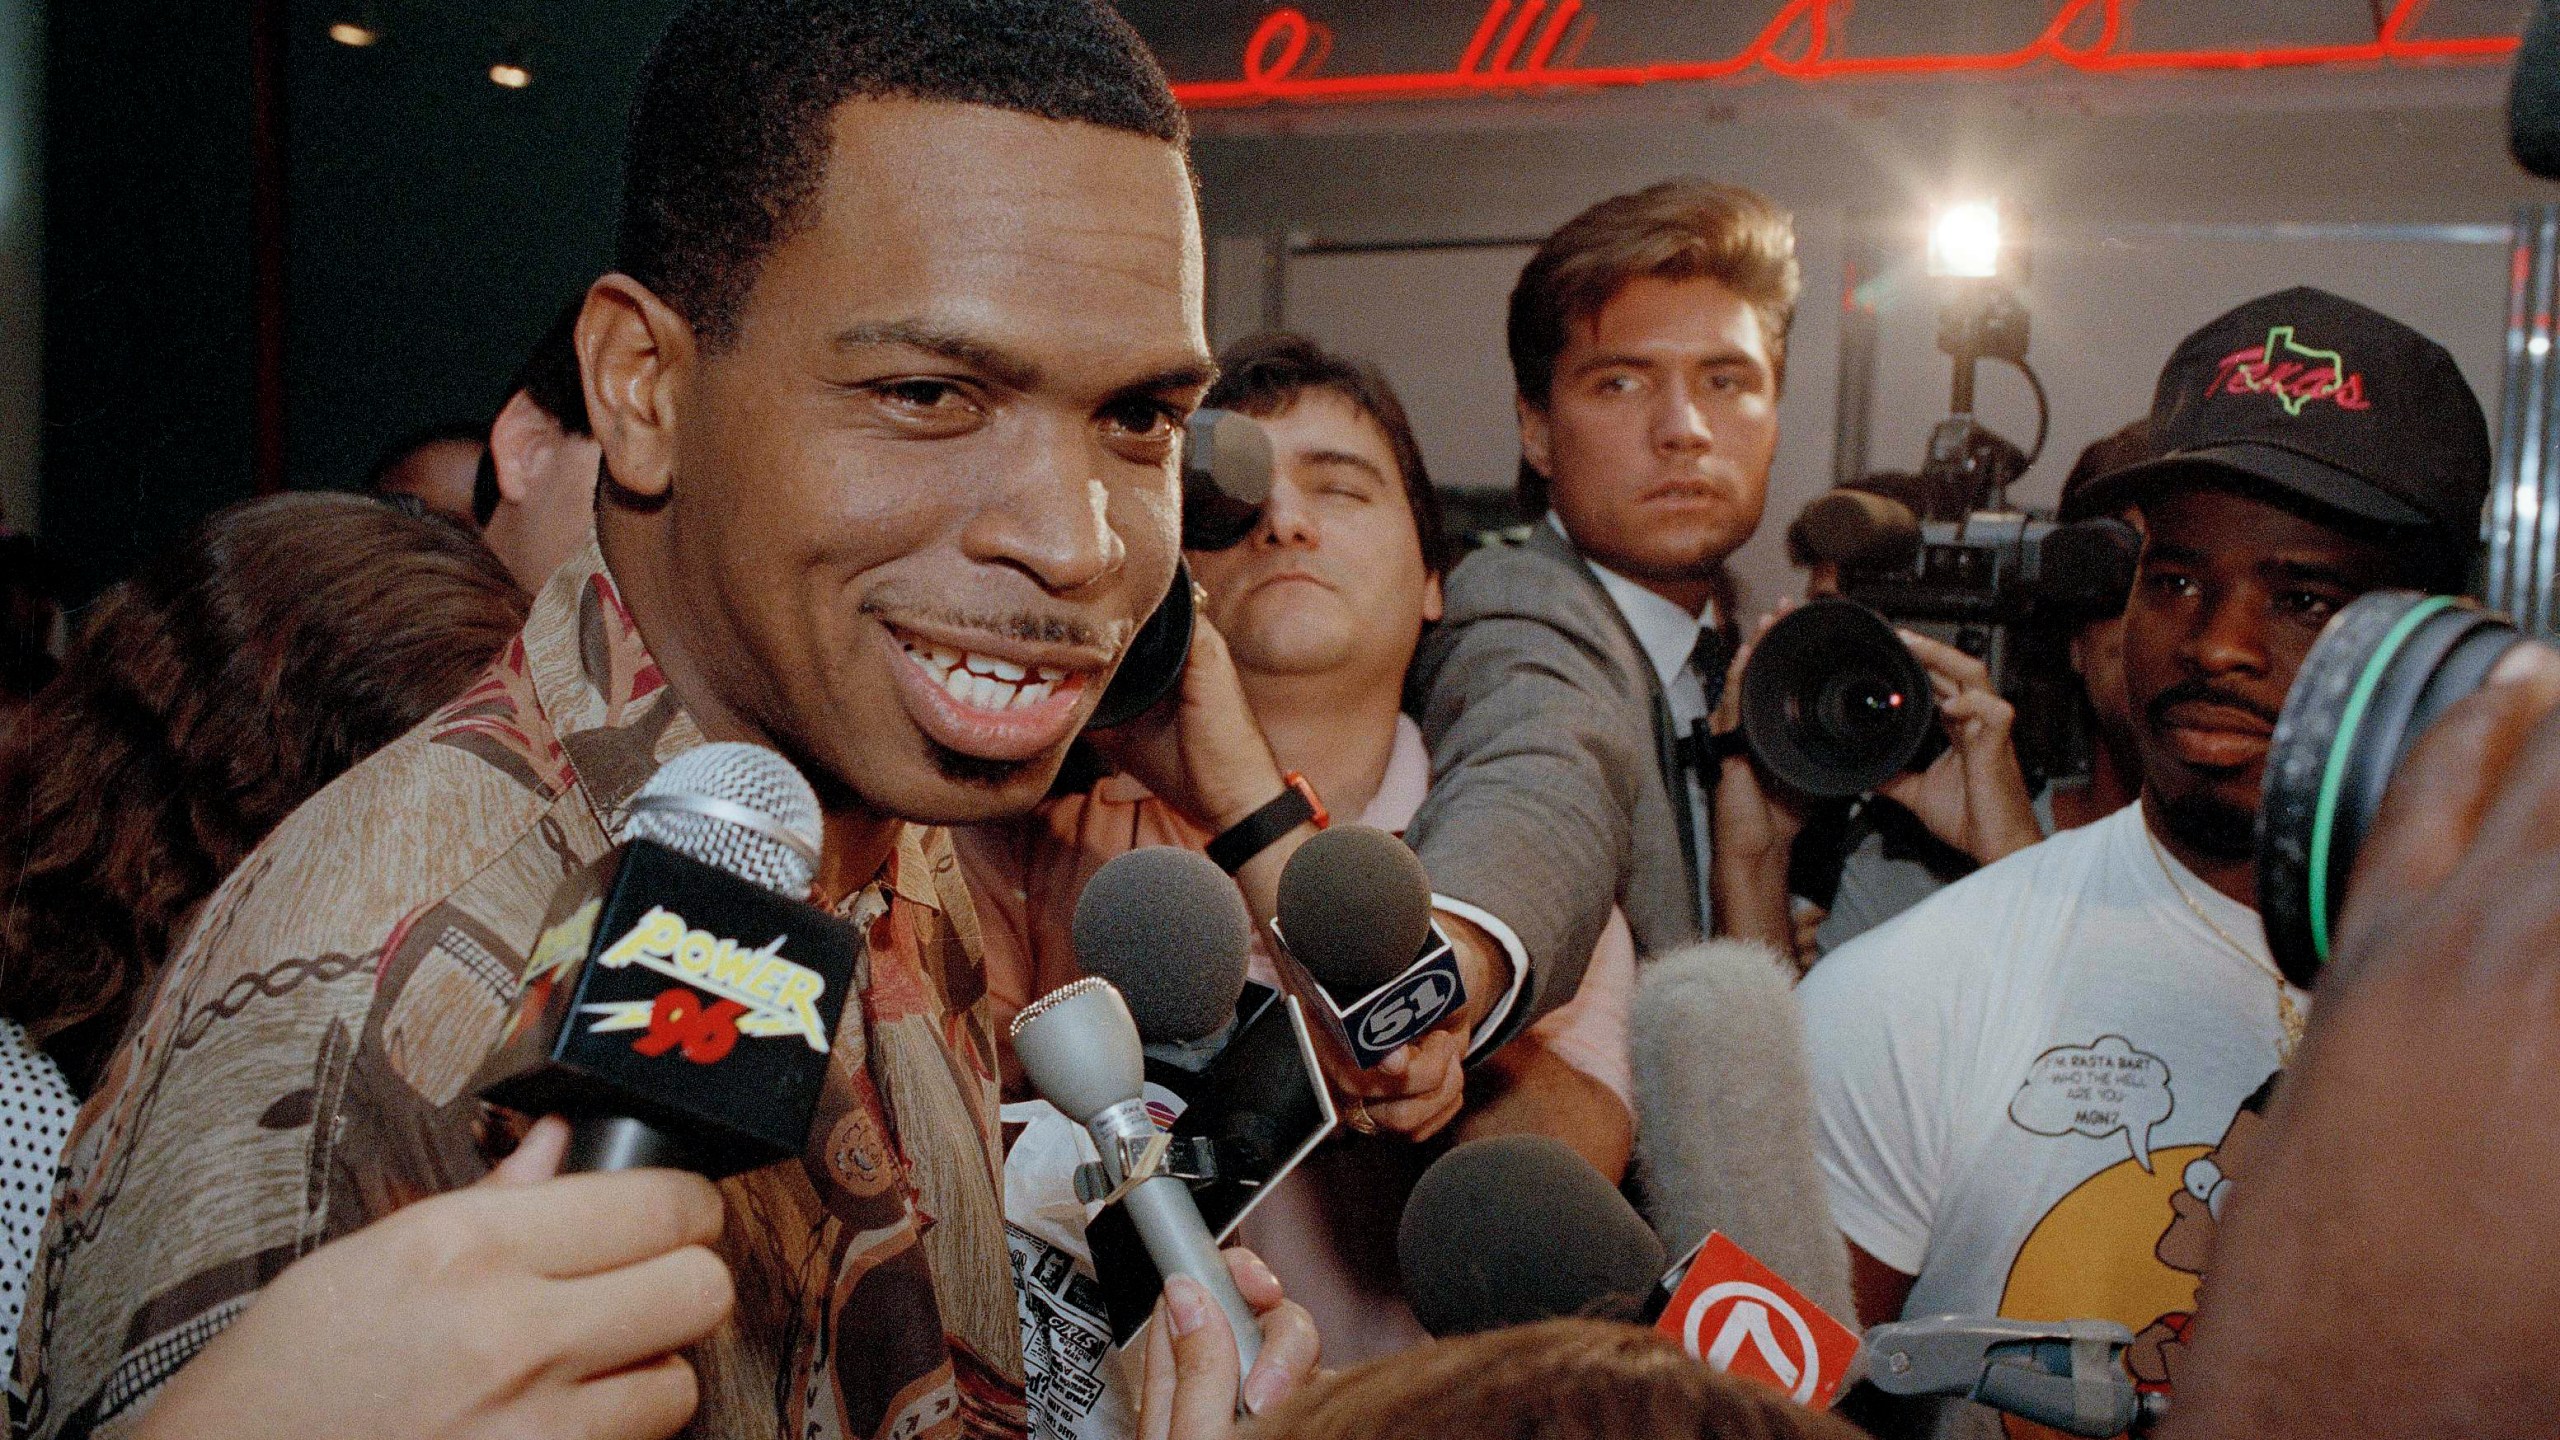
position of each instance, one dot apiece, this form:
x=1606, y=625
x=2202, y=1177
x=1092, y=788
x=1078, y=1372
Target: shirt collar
x=1667, y=632
x=1407, y=781
x=615, y=719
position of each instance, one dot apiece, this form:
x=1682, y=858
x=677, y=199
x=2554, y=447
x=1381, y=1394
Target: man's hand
x=1973, y=796
x=1190, y=1387
x=2386, y=1267
x=1200, y=751
x=525, y=1305
x=1756, y=822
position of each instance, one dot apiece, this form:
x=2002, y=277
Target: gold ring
x=1356, y=1115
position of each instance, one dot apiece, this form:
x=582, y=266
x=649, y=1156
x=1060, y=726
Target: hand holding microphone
x=528, y=1304
x=1354, y=914
x=1082, y=1053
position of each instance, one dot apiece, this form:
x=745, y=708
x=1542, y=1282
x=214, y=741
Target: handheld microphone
x=1355, y=918
x=681, y=1002
x=1226, y=475
x=1516, y=1229
x=1169, y=930
x=1082, y=1053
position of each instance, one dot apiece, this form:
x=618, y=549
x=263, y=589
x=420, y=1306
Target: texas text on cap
x=2313, y=394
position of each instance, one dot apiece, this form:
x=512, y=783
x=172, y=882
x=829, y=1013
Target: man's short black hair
x=1263, y=375
x=729, y=133
x=549, y=378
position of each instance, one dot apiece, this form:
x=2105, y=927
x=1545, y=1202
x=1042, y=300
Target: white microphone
x=1724, y=1115
x=1081, y=1050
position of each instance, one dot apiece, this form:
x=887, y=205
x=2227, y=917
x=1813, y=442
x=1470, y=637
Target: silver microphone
x=1081, y=1050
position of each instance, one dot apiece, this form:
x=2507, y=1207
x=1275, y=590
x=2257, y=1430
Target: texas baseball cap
x=2321, y=398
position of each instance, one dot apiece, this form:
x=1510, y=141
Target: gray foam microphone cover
x=1724, y=1114
x=1516, y=1229
x=1355, y=904
x=1080, y=1049
x=1167, y=927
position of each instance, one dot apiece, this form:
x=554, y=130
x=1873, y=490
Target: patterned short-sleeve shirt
x=304, y=1069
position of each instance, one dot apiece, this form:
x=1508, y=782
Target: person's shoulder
x=1957, y=937
x=401, y=830
x=1510, y=577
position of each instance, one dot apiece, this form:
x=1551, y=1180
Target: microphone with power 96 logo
x=1082, y=1053
x=1355, y=922
x=681, y=1001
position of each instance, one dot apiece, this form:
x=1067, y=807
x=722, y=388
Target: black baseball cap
x=2318, y=397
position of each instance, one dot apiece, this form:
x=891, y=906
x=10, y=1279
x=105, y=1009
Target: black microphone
x=1168, y=928
x=682, y=999
x=1516, y=1229
x=2533, y=102
x=1355, y=917
x=1226, y=475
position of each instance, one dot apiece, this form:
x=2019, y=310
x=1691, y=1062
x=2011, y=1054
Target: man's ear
x=1536, y=439
x=1434, y=602
x=634, y=354
x=519, y=444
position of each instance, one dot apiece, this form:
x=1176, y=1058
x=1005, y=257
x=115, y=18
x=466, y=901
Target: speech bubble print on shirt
x=2097, y=1090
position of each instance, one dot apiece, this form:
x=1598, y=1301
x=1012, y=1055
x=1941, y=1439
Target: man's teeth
x=983, y=682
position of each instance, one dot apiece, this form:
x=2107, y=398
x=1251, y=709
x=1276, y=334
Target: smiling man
x=2013, y=1076
x=905, y=323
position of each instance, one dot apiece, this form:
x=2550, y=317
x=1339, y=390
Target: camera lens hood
x=2383, y=670
x=1833, y=704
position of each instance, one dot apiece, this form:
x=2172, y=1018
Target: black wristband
x=1294, y=806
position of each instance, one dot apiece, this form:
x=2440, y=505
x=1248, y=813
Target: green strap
x=2333, y=777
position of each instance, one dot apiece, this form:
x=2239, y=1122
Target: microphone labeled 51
x=676, y=992
x=1406, y=1008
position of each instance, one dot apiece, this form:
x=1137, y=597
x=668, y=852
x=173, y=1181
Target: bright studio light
x=1964, y=241
x=353, y=33
x=508, y=74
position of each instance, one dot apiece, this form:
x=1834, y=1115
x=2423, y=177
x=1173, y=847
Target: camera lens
x=2383, y=670
x=1859, y=707
x=1833, y=705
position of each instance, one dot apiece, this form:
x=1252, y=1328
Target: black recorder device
x=672, y=993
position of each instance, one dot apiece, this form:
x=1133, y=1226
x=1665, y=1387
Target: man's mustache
x=1025, y=625
x=2198, y=692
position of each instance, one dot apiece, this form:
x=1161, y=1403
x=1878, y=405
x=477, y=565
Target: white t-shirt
x=2014, y=1077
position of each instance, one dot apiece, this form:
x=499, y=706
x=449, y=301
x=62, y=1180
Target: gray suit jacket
x=1550, y=763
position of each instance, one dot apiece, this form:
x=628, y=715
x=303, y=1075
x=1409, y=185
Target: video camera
x=1941, y=552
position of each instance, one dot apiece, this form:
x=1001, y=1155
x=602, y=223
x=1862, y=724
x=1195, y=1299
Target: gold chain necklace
x=2288, y=1014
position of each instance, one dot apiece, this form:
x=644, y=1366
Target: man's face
x=1658, y=430
x=1332, y=581
x=925, y=500
x=2229, y=597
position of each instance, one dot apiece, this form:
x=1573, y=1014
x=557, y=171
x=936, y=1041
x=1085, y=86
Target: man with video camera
x=2015, y=1076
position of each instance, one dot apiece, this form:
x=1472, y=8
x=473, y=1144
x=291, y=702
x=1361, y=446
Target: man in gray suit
x=1648, y=342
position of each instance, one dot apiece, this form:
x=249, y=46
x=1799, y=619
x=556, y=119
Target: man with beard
x=2005, y=1072
x=889, y=380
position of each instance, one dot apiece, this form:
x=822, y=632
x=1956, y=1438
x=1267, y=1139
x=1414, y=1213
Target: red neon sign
x=1528, y=46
